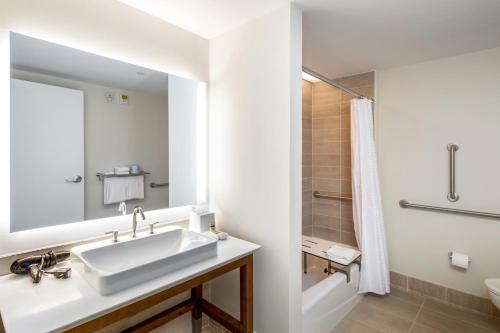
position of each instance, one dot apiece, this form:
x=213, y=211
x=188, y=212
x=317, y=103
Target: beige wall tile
x=345, y=161
x=327, y=135
x=306, y=147
x=307, y=159
x=426, y=288
x=307, y=171
x=330, y=172
x=326, y=222
x=326, y=209
x=325, y=110
x=326, y=123
x=469, y=301
x=307, y=230
x=307, y=184
x=325, y=233
x=326, y=159
x=346, y=225
x=307, y=123
x=346, y=188
x=348, y=238
x=307, y=134
x=345, y=122
x=399, y=280
x=327, y=185
x=325, y=148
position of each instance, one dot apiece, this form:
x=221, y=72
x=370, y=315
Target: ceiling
x=35, y=55
x=207, y=18
x=344, y=37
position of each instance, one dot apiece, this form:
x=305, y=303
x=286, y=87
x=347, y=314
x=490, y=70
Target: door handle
x=75, y=179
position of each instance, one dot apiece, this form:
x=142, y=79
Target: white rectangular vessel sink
x=110, y=267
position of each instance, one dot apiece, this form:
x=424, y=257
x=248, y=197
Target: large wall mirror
x=92, y=137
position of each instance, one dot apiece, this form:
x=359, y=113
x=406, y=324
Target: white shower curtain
x=367, y=206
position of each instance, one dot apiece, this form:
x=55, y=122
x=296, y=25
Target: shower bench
x=317, y=247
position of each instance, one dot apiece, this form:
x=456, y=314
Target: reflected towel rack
x=318, y=195
x=155, y=185
x=101, y=175
x=406, y=204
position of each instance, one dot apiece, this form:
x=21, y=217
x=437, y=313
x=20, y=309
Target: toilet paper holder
x=450, y=254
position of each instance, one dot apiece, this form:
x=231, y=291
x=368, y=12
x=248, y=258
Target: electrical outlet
x=109, y=97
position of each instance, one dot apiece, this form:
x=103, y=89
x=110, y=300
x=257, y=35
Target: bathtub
x=328, y=301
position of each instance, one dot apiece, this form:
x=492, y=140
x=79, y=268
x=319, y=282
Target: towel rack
x=406, y=204
x=101, y=175
x=316, y=194
x=155, y=185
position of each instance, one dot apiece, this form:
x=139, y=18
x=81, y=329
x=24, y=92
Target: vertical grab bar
x=452, y=195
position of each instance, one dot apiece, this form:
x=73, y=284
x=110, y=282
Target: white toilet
x=493, y=286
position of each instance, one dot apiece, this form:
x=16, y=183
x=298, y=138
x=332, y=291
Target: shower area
x=327, y=204
x=326, y=140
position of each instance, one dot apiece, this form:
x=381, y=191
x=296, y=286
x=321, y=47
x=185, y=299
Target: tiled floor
x=405, y=313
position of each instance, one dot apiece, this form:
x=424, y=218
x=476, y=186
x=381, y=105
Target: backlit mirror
x=92, y=137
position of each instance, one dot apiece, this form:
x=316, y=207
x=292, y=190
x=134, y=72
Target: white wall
x=117, y=135
x=420, y=109
x=255, y=159
x=111, y=29
x=107, y=28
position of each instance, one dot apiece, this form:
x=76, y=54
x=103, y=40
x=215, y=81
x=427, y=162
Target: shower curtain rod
x=333, y=83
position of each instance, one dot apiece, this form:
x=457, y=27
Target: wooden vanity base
x=195, y=304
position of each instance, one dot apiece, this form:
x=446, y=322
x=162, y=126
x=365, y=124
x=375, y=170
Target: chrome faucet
x=137, y=210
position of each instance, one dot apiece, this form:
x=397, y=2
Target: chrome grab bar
x=155, y=185
x=406, y=204
x=318, y=195
x=452, y=195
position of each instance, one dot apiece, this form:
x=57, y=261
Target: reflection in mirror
x=92, y=137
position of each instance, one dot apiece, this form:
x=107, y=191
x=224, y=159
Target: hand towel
x=342, y=255
x=135, y=187
x=115, y=189
x=118, y=189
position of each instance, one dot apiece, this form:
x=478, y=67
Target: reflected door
x=47, y=155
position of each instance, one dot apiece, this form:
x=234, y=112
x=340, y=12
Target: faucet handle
x=152, y=227
x=114, y=233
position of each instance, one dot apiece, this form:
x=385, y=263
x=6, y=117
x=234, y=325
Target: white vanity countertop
x=55, y=305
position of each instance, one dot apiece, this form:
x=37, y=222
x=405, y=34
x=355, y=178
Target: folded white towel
x=122, y=170
x=342, y=255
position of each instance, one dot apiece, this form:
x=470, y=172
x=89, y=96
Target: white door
x=47, y=155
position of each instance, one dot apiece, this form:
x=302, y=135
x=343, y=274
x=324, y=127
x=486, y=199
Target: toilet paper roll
x=460, y=260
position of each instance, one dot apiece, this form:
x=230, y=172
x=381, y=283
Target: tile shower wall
x=307, y=216
x=331, y=157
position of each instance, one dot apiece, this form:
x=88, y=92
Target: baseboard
x=443, y=294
